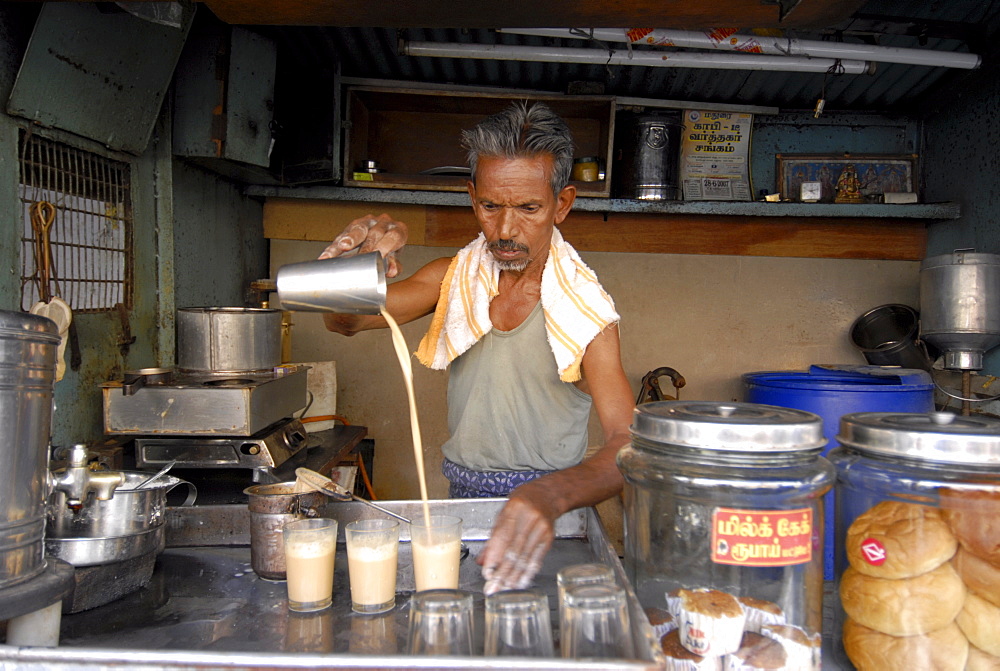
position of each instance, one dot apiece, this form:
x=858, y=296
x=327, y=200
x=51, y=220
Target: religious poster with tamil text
x=715, y=156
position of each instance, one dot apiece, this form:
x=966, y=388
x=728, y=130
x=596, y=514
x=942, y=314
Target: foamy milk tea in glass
x=310, y=549
x=372, y=551
x=436, y=550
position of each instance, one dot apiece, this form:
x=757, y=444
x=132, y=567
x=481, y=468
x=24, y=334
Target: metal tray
x=204, y=607
x=106, y=549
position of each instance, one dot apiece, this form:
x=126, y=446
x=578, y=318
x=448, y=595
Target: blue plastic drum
x=834, y=390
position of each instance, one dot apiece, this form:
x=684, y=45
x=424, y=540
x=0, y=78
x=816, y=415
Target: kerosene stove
x=208, y=420
x=229, y=405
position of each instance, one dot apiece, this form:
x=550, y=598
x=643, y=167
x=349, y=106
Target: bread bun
x=974, y=518
x=980, y=661
x=943, y=650
x=903, y=607
x=980, y=622
x=979, y=575
x=909, y=539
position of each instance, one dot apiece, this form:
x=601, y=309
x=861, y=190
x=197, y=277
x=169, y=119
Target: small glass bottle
x=585, y=169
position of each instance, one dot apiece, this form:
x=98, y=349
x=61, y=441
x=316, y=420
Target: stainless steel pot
x=27, y=370
x=228, y=340
x=129, y=524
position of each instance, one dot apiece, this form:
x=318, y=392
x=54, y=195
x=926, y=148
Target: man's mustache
x=507, y=246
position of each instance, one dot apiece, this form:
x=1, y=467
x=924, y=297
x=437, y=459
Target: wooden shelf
x=889, y=232
x=444, y=183
x=924, y=211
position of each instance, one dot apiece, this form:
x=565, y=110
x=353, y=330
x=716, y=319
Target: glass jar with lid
x=918, y=531
x=728, y=497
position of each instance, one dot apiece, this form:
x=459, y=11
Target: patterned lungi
x=469, y=484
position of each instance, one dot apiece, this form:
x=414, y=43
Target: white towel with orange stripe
x=575, y=304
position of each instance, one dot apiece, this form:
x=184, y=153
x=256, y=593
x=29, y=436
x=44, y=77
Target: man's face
x=515, y=206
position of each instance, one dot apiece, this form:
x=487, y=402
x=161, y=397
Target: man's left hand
x=521, y=537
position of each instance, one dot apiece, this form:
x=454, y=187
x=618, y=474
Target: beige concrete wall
x=712, y=318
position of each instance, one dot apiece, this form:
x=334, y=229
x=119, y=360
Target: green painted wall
x=197, y=241
x=219, y=245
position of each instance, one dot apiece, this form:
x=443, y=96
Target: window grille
x=90, y=237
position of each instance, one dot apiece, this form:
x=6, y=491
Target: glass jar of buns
x=724, y=532
x=918, y=541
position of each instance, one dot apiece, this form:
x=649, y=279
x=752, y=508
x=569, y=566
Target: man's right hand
x=371, y=234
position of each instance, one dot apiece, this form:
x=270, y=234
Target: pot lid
x=27, y=326
x=935, y=436
x=739, y=427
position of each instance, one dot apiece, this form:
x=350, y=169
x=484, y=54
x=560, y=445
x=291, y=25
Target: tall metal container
x=960, y=306
x=650, y=146
x=27, y=372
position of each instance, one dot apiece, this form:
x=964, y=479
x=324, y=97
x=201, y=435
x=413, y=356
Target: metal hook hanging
x=43, y=214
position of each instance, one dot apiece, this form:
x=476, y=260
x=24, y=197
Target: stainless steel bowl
x=129, y=524
x=97, y=551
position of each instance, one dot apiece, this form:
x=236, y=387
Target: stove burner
x=268, y=448
x=228, y=382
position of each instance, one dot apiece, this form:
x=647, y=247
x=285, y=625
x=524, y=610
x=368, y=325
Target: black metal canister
x=646, y=153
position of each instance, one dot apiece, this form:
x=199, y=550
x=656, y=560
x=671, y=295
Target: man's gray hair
x=522, y=131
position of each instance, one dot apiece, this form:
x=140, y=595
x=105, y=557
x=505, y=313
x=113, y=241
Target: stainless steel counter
x=205, y=608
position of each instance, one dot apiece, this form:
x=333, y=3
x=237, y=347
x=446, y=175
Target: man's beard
x=516, y=265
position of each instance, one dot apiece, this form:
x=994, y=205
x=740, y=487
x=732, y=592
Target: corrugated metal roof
x=951, y=25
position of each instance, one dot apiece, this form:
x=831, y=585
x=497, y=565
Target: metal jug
x=347, y=284
x=271, y=508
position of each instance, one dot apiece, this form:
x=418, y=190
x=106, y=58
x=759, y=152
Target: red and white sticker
x=873, y=552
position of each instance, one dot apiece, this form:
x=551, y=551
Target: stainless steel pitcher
x=346, y=284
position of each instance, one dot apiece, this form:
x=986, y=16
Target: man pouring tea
x=529, y=336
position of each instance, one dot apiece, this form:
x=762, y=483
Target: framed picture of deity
x=846, y=178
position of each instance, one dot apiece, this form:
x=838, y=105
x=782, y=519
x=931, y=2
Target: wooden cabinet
x=414, y=135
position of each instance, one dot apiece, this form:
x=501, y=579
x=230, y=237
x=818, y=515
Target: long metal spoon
x=160, y=473
x=333, y=490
